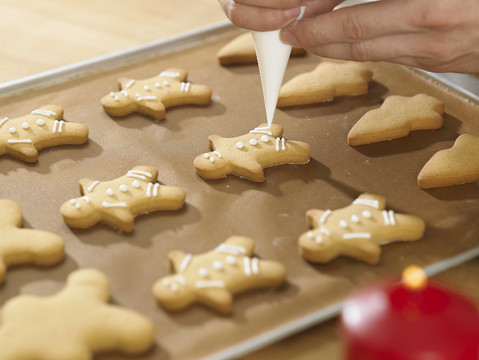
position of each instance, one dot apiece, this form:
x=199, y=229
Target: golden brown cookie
x=454, y=166
x=153, y=95
x=73, y=324
x=396, y=118
x=327, y=81
x=23, y=246
x=44, y=127
x=241, y=50
x=117, y=202
x=212, y=278
x=247, y=155
x=357, y=230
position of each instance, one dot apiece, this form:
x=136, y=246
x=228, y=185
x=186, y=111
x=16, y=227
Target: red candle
x=410, y=319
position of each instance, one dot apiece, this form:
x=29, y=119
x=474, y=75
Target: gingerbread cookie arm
x=243, y=242
x=216, y=298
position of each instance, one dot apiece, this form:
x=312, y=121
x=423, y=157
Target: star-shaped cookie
x=247, y=155
x=327, y=81
x=72, y=324
x=23, y=246
x=24, y=136
x=153, y=95
x=396, y=118
x=454, y=166
x=117, y=202
x=357, y=230
x=212, y=278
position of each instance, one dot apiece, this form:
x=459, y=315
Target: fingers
x=274, y=4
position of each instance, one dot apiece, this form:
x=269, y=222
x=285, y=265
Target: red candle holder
x=411, y=319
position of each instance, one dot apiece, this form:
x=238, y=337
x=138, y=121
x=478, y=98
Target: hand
x=440, y=35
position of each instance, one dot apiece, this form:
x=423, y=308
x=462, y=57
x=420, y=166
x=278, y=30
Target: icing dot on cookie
x=217, y=265
x=146, y=87
x=166, y=83
x=265, y=138
x=206, y=155
x=343, y=224
x=157, y=85
x=166, y=282
x=78, y=205
x=355, y=218
x=203, y=272
x=310, y=234
x=318, y=239
x=123, y=188
x=174, y=287
x=12, y=130
x=253, y=141
x=136, y=184
x=231, y=260
x=40, y=122
x=25, y=125
x=110, y=191
x=212, y=159
x=366, y=214
x=239, y=145
x=72, y=201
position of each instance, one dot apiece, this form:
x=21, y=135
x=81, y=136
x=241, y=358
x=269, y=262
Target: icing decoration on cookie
x=212, y=278
x=357, y=230
x=326, y=82
x=73, y=324
x=23, y=246
x=153, y=95
x=24, y=136
x=118, y=201
x=247, y=155
x=241, y=50
x=396, y=118
x=454, y=166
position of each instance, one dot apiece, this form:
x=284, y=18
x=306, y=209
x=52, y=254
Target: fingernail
x=288, y=38
x=292, y=13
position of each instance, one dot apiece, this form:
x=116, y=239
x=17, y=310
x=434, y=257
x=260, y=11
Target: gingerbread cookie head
x=117, y=202
x=153, y=95
x=23, y=246
x=248, y=155
x=357, y=230
x=44, y=127
x=73, y=324
x=213, y=277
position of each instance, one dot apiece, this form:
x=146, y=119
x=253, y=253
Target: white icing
x=170, y=74
x=180, y=279
x=343, y=224
x=78, y=205
x=209, y=284
x=255, y=265
x=318, y=239
x=152, y=190
x=355, y=218
x=44, y=112
x=212, y=159
x=147, y=97
x=265, y=138
x=4, y=120
x=73, y=201
x=166, y=83
x=184, y=264
x=310, y=234
x=110, y=192
x=136, y=184
x=230, y=249
x=185, y=86
x=262, y=130
x=206, y=155
x=247, y=266
x=166, y=282
x=146, y=87
x=130, y=83
x=217, y=265
x=367, y=214
x=217, y=153
x=25, y=125
x=367, y=202
x=40, y=122
x=59, y=124
x=231, y=260
x=106, y=204
x=389, y=218
x=253, y=141
x=277, y=144
x=283, y=147
x=357, y=236
x=142, y=175
x=12, y=130
x=203, y=272
x=123, y=188
x=325, y=215
x=239, y=145
x=174, y=287
x=124, y=93
x=92, y=186
x=86, y=199
x=157, y=85
x=112, y=94
x=324, y=231
x=26, y=141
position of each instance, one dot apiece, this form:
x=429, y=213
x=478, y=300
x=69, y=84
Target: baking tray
x=272, y=213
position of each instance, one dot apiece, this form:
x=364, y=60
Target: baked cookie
x=241, y=50
x=24, y=246
x=327, y=81
x=357, y=230
x=117, y=202
x=24, y=136
x=153, y=95
x=396, y=118
x=247, y=155
x=72, y=324
x=212, y=278
x=454, y=166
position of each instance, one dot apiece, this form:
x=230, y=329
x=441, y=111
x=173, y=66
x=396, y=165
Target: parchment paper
x=272, y=213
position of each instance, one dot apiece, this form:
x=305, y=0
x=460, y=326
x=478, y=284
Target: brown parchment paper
x=272, y=213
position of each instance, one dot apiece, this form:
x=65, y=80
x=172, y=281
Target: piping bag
x=273, y=56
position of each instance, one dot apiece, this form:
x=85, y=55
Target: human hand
x=437, y=36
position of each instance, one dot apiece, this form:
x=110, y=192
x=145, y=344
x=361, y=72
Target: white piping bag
x=273, y=56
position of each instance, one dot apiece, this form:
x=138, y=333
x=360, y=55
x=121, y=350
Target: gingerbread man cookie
x=213, y=277
x=116, y=202
x=153, y=95
x=247, y=155
x=22, y=137
x=241, y=50
x=22, y=246
x=357, y=230
x=454, y=166
x=396, y=118
x=327, y=81
x=72, y=324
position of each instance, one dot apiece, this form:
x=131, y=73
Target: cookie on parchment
x=396, y=118
x=454, y=166
x=241, y=50
x=117, y=202
x=357, y=230
x=153, y=95
x=44, y=127
x=326, y=82
x=247, y=155
x=73, y=324
x=212, y=278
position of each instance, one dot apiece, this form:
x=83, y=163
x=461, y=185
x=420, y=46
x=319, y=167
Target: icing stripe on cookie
x=170, y=74
x=92, y=186
x=106, y=204
x=209, y=284
x=323, y=218
x=357, y=236
x=367, y=202
x=44, y=112
x=25, y=141
x=3, y=121
x=142, y=175
x=230, y=249
x=185, y=262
